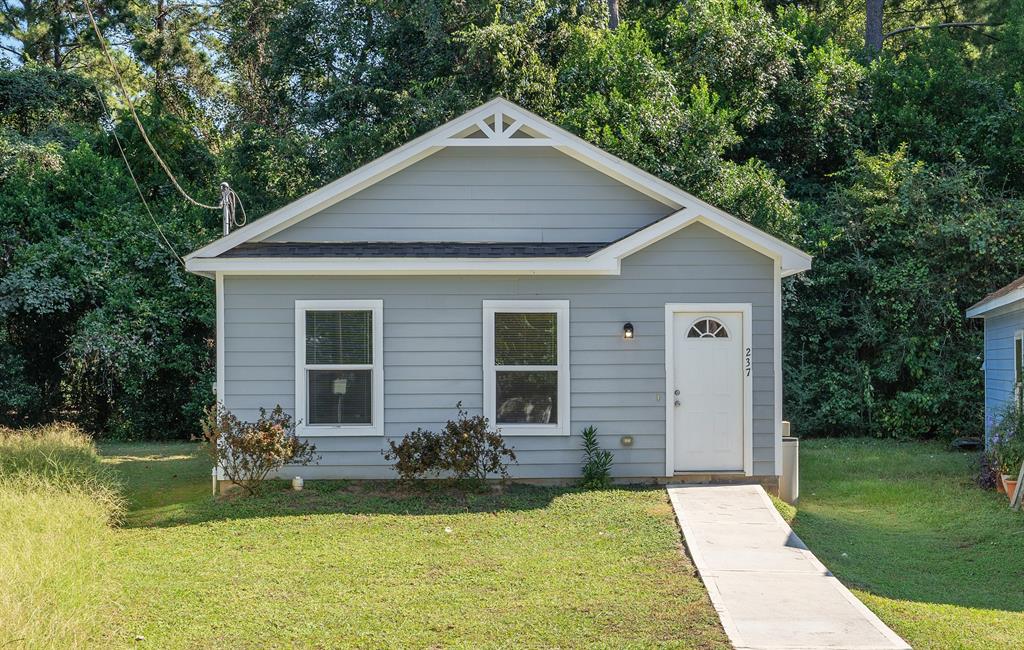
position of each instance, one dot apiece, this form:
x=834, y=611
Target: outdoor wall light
x=627, y=331
x=626, y=441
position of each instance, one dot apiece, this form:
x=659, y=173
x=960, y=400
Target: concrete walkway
x=768, y=589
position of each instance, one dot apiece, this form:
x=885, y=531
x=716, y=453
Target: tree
x=873, y=36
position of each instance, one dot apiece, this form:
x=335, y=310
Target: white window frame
x=561, y=309
x=376, y=426
x=1018, y=367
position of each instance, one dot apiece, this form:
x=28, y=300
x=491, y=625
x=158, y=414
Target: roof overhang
x=997, y=305
x=607, y=261
x=516, y=127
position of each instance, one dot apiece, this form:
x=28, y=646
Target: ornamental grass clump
x=597, y=462
x=247, y=452
x=57, y=504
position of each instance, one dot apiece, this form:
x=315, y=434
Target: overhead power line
x=135, y=116
x=230, y=202
x=138, y=189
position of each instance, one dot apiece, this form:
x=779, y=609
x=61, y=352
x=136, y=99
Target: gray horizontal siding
x=999, y=365
x=479, y=194
x=433, y=350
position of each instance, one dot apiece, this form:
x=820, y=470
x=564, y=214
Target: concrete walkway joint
x=768, y=589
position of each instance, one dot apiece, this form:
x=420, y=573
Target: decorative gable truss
x=498, y=123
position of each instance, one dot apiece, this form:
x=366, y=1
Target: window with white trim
x=339, y=375
x=1018, y=368
x=526, y=366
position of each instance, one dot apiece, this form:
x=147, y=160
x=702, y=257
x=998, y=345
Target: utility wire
x=138, y=122
x=138, y=189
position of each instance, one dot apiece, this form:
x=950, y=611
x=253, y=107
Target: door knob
x=677, y=403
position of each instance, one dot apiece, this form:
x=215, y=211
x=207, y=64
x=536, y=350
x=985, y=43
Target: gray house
x=502, y=262
x=1003, y=313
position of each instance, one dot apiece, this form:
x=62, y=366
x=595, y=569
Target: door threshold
x=711, y=472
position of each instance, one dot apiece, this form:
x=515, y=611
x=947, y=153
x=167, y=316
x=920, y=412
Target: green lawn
x=375, y=566
x=903, y=525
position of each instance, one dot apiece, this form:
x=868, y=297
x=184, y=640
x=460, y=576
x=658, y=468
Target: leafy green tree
x=876, y=340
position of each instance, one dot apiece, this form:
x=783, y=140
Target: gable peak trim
x=503, y=123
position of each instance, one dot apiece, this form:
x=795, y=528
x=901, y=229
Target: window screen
x=526, y=368
x=339, y=367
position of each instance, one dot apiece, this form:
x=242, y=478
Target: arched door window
x=707, y=328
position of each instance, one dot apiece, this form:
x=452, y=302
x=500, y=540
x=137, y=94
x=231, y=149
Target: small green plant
x=466, y=450
x=1007, y=441
x=247, y=452
x=597, y=462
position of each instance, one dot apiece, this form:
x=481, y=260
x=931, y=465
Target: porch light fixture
x=627, y=331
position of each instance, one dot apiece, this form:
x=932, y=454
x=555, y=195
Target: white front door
x=707, y=398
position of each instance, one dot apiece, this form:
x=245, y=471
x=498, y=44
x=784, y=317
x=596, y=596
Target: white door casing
x=708, y=361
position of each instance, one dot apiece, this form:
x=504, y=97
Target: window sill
x=519, y=430
x=335, y=431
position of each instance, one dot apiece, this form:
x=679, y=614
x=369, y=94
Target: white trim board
x=746, y=310
x=561, y=309
x=376, y=426
x=542, y=133
x=221, y=352
x=996, y=306
x=606, y=261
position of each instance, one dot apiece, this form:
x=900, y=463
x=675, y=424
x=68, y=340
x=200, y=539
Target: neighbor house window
x=1018, y=369
x=526, y=366
x=339, y=374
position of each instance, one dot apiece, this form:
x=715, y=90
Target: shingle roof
x=415, y=249
x=998, y=293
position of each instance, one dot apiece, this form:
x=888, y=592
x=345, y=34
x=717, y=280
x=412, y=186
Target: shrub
x=418, y=455
x=988, y=471
x=249, y=451
x=597, y=462
x=1007, y=442
x=465, y=450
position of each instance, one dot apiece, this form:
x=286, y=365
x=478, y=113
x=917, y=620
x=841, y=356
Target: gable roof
x=1002, y=297
x=501, y=123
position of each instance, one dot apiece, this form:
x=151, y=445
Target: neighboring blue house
x=487, y=262
x=1003, y=312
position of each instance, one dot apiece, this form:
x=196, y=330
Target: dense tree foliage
x=899, y=169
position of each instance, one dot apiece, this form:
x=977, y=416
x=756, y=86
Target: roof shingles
x=494, y=250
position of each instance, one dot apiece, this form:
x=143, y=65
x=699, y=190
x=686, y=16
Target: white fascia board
x=607, y=261
x=358, y=179
x=793, y=259
x=986, y=308
x=403, y=266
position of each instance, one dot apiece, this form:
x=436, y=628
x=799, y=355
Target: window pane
x=525, y=339
x=340, y=396
x=339, y=337
x=527, y=397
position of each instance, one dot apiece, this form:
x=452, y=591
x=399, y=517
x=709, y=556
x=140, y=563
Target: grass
x=902, y=524
x=373, y=565
x=57, y=503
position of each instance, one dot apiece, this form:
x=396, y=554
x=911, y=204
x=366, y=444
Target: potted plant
x=1007, y=447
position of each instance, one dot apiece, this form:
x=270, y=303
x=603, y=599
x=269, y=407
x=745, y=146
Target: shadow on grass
x=170, y=485
x=938, y=542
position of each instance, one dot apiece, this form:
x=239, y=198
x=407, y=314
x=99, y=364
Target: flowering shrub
x=248, y=451
x=1007, y=441
x=466, y=450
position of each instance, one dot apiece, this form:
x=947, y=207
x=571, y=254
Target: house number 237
x=746, y=361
